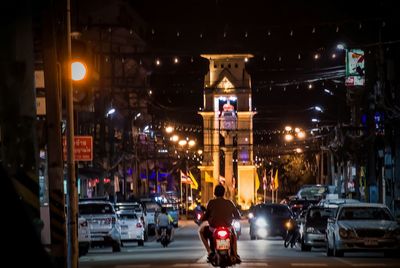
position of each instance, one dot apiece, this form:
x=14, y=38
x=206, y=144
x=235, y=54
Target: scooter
x=221, y=243
x=164, y=237
x=198, y=215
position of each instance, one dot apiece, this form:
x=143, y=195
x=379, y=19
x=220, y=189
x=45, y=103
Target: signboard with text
x=355, y=68
x=83, y=148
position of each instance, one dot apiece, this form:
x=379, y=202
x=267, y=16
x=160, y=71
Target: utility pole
x=54, y=145
x=72, y=183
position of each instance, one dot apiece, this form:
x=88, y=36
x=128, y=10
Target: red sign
x=83, y=148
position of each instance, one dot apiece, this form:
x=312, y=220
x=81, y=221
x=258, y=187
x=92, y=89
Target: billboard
x=355, y=67
x=83, y=148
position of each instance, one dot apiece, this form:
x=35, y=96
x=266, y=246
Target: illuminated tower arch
x=228, y=117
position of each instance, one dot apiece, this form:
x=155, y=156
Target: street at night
x=187, y=251
x=153, y=133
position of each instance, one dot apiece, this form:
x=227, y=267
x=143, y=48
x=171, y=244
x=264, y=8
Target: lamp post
x=73, y=251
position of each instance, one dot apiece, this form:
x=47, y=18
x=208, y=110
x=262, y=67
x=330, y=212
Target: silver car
x=362, y=227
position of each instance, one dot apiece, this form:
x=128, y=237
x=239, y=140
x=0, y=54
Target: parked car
x=132, y=228
x=315, y=191
x=313, y=227
x=84, y=236
x=136, y=208
x=103, y=223
x=152, y=210
x=335, y=203
x=269, y=220
x=362, y=227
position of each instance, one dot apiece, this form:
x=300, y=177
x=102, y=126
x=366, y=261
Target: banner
x=276, y=181
x=257, y=181
x=194, y=183
x=185, y=178
x=208, y=178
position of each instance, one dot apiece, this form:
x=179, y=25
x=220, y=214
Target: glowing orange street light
x=78, y=71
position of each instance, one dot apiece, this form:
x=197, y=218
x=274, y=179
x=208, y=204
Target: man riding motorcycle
x=220, y=212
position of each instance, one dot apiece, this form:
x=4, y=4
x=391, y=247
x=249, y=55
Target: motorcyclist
x=220, y=212
x=164, y=220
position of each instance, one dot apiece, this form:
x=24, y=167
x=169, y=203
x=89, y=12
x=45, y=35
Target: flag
x=194, y=183
x=221, y=180
x=208, y=178
x=265, y=181
x=271, y=180
x=257, y=181
x=185, y=178
x=276, y=182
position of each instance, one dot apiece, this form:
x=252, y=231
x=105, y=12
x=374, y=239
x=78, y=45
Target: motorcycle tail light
x=138, y=225
x=222, y=234
x=198, y=216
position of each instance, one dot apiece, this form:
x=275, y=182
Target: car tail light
x=138, y=225
x=222, y=234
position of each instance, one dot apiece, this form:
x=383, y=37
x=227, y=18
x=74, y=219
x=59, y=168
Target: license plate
x=371, y=242
x=223, y=244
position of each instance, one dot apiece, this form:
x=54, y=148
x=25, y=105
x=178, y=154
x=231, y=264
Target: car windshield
x=128, y=216
x=312, y=192
x=279, y=211
x=152, y=207
x=365, y=213
x=95, y=209
x=319, y=215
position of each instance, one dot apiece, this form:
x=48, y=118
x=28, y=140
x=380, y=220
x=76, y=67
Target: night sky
x=284, y=37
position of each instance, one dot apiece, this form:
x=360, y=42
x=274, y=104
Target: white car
x=84, y=236
x=132, y=228
x=103, y=223
x=136, y=208
x=362, y=227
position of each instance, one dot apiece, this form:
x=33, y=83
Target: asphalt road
x=187, y=251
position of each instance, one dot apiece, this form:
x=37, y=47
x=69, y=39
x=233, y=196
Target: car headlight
x=261, y=222
x=391, y=233
x=343, y=233
x=313, y=230
x=347, y=233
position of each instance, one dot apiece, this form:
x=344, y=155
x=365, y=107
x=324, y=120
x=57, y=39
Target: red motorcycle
x=222, y=238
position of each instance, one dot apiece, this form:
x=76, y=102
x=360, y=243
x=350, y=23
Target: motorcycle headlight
x=289, y=225
x=261, y=222
x=251, y=215
x=236, y=224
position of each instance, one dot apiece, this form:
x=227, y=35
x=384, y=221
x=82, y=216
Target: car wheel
x=336, y=252
x=116, y=247
x=305, y=247
x=329, y=251
x=140, y=243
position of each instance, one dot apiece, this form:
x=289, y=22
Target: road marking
x=133, y=266
x=246, y=264
x=368, y=264
x=309, y=264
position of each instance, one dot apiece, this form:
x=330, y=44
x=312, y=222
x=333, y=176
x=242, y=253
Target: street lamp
x=318, y=109
x=78, y=70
